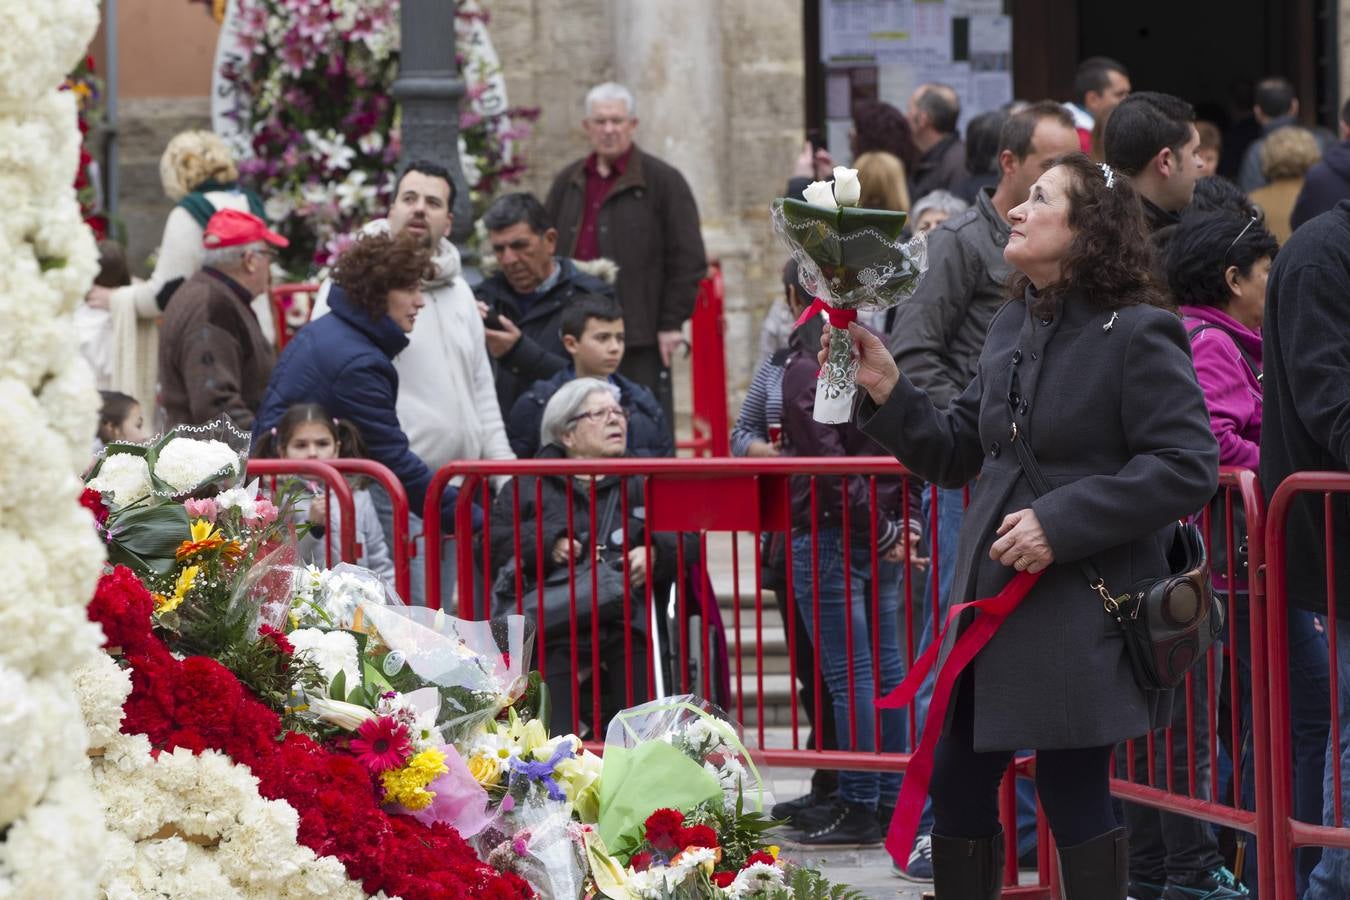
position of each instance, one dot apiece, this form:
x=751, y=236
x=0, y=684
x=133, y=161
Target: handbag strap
x=1021, y=442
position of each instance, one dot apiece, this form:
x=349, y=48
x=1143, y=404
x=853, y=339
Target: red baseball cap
x=231, y=227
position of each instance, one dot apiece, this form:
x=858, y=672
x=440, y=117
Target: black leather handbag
x=1169, y=623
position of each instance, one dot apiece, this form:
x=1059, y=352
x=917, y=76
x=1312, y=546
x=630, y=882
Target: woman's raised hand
x=877, y=373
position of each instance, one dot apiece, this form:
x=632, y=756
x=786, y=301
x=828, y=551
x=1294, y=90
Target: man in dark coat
x=593, y=336
x=934, y=110
x=213, y=357
x=522, y=302
x=1306, y=426
x=1328, y=181
x=626, y=205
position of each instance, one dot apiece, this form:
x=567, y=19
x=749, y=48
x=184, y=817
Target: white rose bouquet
x=850, y=259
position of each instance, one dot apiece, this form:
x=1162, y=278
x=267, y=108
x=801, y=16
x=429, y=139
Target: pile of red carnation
x=668, y=837
x=199, y=704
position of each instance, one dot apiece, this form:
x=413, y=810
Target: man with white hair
x=213, y=357
x=628, y=206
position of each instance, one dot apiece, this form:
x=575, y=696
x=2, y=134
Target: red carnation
x=92, y=500
x=697, y=836
x=123, y=606
x=723, y=879
x=278, y=638
x=641, y=862
x=663, y=829
x=759, y=856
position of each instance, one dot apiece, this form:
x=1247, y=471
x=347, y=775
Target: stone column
x=429, y=88
x=670, y=56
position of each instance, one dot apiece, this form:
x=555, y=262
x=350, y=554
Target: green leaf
x=338, y=689
x=145, y=538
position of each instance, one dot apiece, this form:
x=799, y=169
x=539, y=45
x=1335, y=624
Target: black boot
x=1098, y=869
x=965, y=869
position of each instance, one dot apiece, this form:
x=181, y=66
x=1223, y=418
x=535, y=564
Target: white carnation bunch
x=125, y=476
x=331, y=651
x=184, y=463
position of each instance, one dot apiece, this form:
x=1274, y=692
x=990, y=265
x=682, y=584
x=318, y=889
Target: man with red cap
x=213, y=357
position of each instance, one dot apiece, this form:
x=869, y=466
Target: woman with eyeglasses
x=1217, y=267
x=585, y=535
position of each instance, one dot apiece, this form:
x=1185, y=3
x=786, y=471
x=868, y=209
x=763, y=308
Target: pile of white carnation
x=52, y=835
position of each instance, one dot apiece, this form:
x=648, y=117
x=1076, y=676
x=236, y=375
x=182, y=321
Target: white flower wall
x=54, y=839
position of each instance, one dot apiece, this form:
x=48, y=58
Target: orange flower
x=205, y=538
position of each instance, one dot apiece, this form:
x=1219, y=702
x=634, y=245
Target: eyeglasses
x=1245, y=229
x=601, y=416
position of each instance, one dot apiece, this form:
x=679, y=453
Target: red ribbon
x=914, y=789
x=839, y=318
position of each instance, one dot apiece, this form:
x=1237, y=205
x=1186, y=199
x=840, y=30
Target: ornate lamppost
x=429, y=89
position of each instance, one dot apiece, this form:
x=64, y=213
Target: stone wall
x=719, y=87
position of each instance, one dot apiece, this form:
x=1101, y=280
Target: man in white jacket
x=447, y=400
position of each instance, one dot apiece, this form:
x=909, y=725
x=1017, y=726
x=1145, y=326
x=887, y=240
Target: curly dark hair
x=880, y=126
x=1202, y=249
x=1110, y=258
x=377, y=264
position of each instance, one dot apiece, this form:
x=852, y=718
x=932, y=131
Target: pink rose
x=202, y=509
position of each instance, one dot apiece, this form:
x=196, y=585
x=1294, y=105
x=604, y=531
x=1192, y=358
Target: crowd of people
x=1094, y=291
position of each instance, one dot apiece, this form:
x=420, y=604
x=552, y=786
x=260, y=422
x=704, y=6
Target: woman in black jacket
x=1085, y=368
x=588, y=531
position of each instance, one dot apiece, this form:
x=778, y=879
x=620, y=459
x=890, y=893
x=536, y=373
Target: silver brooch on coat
x=1111, y=322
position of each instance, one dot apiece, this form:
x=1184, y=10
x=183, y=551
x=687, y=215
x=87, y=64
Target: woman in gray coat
x=1085, y=365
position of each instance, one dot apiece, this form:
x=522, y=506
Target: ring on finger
x=1021, y=563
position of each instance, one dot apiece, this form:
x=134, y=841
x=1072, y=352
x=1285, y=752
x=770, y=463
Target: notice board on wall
x=883, y=49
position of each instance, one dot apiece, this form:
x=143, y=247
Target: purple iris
x=543, y=771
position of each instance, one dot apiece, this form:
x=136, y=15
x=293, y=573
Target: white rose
x=847, y=189
x=820, y=193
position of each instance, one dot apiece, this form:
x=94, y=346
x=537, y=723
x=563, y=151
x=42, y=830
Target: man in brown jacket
x=213, y=357
x=626, y=205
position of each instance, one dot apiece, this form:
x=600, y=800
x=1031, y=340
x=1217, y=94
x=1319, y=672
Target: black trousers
x=643, y=365
x=1073, y=784
x=559, y=677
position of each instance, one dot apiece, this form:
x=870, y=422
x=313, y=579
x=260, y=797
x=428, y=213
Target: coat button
x=1017, y=357
x=1023, y=409
x=995, y=450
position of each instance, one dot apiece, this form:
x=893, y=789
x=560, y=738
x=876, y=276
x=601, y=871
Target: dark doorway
x=1210, y=53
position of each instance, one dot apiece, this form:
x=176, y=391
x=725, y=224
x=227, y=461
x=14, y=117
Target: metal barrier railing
x=334, y=483
x=1287, y=834
x=403, y=547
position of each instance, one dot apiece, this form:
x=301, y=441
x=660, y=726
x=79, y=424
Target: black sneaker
x=1218, y=884
x=848, y=823
x=789, y=809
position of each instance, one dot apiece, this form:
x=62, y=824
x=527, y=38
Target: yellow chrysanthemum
x=165, y=604
x=407, y=786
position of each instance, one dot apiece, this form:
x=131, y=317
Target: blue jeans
x=838, y=613
x=950, y=513
x=1330, y=879
x=1309, y=707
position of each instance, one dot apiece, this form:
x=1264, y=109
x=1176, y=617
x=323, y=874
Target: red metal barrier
x=1287, y=833
x=708, y=370
x=1191, y=795
x=404, y=548
x=332, y=478
x=283, y=299
x=699, y=510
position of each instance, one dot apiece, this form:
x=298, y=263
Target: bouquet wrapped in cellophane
x=849, y=259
